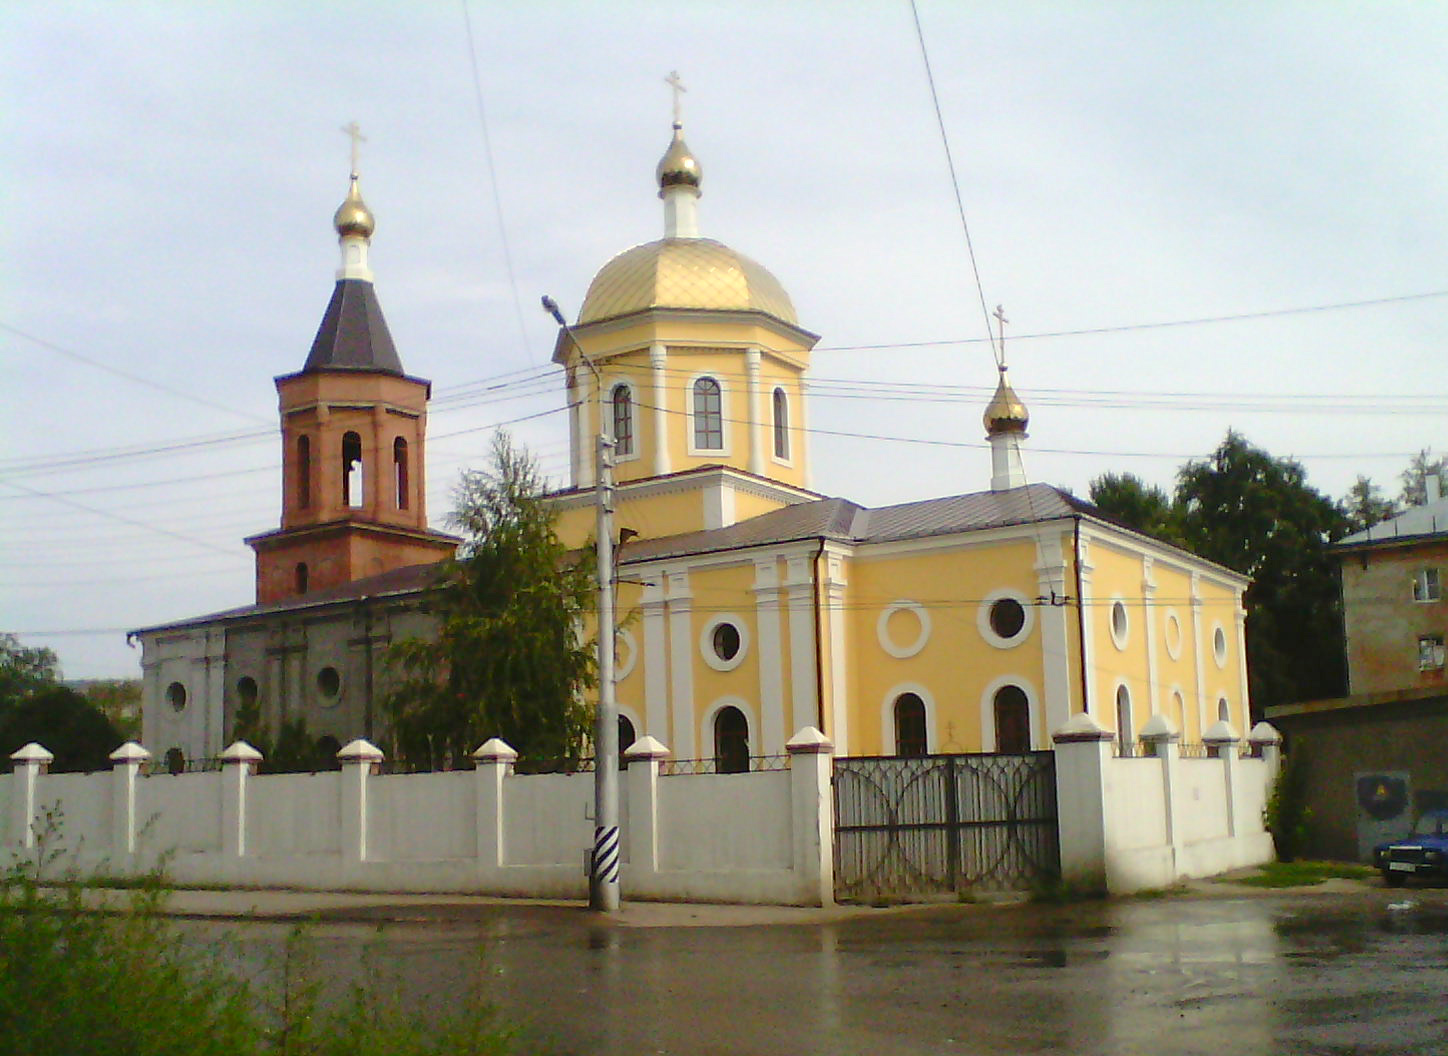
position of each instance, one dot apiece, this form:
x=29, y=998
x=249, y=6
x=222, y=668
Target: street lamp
x=603, y=862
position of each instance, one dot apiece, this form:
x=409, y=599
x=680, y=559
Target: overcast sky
x=170, y=173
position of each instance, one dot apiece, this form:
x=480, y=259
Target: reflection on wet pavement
x=1265, y=975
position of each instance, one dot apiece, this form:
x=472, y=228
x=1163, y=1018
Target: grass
x=80, y=983
x=1305, y=874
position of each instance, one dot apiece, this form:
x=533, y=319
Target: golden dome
x=684, y=273
x=352, y=216
x=678, y=167
x=1005, y=411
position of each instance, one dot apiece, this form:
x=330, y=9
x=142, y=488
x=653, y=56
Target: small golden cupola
x=353, y=218
x=1005, y=422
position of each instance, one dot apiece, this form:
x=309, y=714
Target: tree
x=1256, y=514
x=24, y=669
x=509, y=659
x=1365, y=506
x=68, y=725
x=1415, y=477
x=1127, y=498
x=119, y=699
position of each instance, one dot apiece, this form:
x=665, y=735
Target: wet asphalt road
x=1364, y=972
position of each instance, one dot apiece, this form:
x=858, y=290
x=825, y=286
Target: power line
x=137, y=379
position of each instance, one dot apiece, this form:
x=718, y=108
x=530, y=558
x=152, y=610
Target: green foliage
x=509, y=660
x=1126, y=498
x=119, y=700
x=76, y=982
x=1305, y=874
x=1415, y=477
x=1256, y=514
x=24, y=669
x=1364, y=505
x=1286, y=814
x=292, y=751
x=68, y=725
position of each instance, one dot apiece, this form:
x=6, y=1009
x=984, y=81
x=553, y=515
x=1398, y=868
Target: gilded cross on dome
x=1001, y=320
x=672, y=80
x=355, y=134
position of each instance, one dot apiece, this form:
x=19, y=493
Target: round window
x=176, y=695
x=1219, y=645
x=1120, y=624
x=726, y=641
x=1007, y=617
x=329, y=683
x=1173, y=635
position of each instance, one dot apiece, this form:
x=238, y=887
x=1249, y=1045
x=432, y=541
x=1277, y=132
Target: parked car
x=1423, y=852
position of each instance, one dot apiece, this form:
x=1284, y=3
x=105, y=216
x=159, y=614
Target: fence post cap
x=647, y=747
x=34, y=752
x=241, y=752
x=1082, y=726
x=1264, y=733
x=360, y=751
x=495, y=750
x=809, y=741
x=1159, y=728
x=130, y=752
x=1221, y=732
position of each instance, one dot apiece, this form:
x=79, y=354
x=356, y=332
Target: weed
x=1305, y=874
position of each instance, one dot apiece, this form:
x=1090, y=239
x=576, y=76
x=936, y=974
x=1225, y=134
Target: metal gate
x=944, y=824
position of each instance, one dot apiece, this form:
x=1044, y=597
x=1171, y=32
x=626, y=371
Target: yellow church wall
x=1119, y=659
x=956, y=666
x=1176, y=652
x=748, y=504
x=723, y=592
x=1224, y=677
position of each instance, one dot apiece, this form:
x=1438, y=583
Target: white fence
x=764, y=837
x=1129, y=824
x=755, y=838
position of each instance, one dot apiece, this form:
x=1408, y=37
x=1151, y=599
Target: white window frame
x=788, y=457
x=627, y=384
x=1430, y=652
x=1427, y=586
x=982, y=618
x=724, y=450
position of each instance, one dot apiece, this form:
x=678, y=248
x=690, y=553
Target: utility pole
x=603, y=862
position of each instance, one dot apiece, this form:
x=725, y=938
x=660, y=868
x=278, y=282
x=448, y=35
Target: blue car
x=1423, y=852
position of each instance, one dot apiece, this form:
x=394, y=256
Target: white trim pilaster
x=680, y=601
x=833, y=589
x=772, y=730
x=756, y=416
x=1088, y=638
x=1198, y=655
x=799, y=601
x=658, y=362
x=656, y=662
x=1148, y=619
x=1055, y=646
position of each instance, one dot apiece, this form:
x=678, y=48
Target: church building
x=749, y=605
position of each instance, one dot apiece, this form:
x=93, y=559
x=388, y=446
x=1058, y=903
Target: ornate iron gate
x=944, y=824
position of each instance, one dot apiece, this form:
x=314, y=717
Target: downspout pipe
x=1080, y=616
x=819, y=641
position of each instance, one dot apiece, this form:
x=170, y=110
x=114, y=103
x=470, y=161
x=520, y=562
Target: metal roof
x=353, y=334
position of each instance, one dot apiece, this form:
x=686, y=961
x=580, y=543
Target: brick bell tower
x=353, y=433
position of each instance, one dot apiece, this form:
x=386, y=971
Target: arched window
x=302, y=577
x=708, y=415
x=623, y=423
x=326, y=752
x=626, y=738
x=1224, y=710
x=351, y=470
x=399, y=471
x=175, y=761
x=1125, y=727
x=781, y=424
x=304, y=472
x=1012, y=720
x=910, y=735
x=731, y=741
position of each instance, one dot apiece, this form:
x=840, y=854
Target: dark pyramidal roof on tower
x=354, y=334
